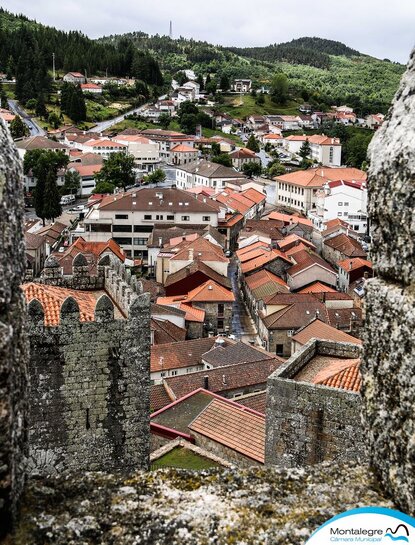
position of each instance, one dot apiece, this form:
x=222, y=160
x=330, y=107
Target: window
x=290, y=332
x=185, y=218
x=206, y=218
x=345, y=213
x=140, y=241
x=221, y=308
x=356, y=227
x=162, y=374
x=170, y=217
x=148, y=216
x=340, y=204
x=143, y=228
x=122, y=240
x=220, y=324
x=279, y=349
x=340, y=213
x=122, y=228
x=97, y=227
x=158, y=217
x=331, y=154
x=173, y=373
x=346, y=204
x=121, y=216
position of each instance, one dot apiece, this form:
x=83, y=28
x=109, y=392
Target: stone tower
x=13, y=346
x=389, y=343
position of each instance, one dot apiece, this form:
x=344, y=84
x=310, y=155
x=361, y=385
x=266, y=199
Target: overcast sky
x=380, y=28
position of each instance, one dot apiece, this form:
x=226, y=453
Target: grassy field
x=183, y=458
x=242, y=106
x=212, y=132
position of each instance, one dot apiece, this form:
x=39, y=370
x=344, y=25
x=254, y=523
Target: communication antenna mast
x=171, y=30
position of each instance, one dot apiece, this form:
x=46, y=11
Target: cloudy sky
x=380, y=28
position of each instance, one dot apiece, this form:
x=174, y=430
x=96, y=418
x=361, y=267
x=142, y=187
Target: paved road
x=104, y=125
x=35, y=128
x=243, y=326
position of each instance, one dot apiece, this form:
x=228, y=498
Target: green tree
x=224, y=82
x=188, y=123
x=51, y=201
x=260, y=99
x=222, y=159
x=155, y=177
x=305, y=150
x=72, y=183
x=104, y=187
x=211, y=87
x=53, y=120
x=31, y=104
x=3, y=97
x=180, y=77
x=117, y=170
x=275, y=168
x=18, y=129
x=44, y=166
x=279, y=88
x=252, y=169
x=164, y=120
x=252, y=144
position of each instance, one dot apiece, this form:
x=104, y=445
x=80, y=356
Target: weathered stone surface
x=308, y=423
x=392, y=186
x=13, y=346
x=177, y=507
x=89, y=390
x=389, y=387
x=389, y=341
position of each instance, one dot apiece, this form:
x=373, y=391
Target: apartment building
x=324, y=150
x=129, y=218
x=207, y=174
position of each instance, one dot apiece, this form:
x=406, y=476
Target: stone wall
x=13, y=345
x=307, y=423
x=89, y=395
x=112, y=276
x=389, y=340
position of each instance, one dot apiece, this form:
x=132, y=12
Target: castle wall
x=306, y=423
x=13, y=343
x=389, y=338
x=89, y=394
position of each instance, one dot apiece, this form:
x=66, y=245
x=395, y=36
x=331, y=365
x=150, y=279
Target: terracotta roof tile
x=166, y=331
x=256, y=401
x=266, y=257
x=354, y=263
x=52, y=298
x=223, y=379
x=317, y=177
x=262, y=277
x=181, y=354
x=317, y=287
x=159, y=398
x=347, y=379
x=346, y=245
x=233, y=427
x=320, y=330
x=210, y=291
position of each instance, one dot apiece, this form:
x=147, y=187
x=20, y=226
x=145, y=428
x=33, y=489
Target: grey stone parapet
x=389, y=338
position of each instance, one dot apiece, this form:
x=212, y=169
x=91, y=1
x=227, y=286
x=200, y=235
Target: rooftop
x=320, y=330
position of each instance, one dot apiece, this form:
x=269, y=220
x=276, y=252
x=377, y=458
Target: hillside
x=321, y=71
x=329, y=71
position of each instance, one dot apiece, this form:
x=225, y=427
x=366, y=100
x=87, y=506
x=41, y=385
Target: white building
x=298, y=190
x=324, y=150
x=204, y=173
x=146, y=153
x=129, y=218
x=74, y=77
x=103, y=147
x=345, y=200
x=241, y=85
x=91, y=88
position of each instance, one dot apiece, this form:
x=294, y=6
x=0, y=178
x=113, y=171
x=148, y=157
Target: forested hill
x=26, y=41
x=309, y=51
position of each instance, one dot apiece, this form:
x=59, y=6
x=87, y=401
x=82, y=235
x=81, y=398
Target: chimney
x=206, y=382
x=160, y=242
x=351, y=265
x=191, y=254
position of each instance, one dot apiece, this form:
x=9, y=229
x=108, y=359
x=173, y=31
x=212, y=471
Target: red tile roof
x=292, y=240
x=181, y=354
x=347, y=379
x=266, y=257
x=317, y=287
x=306, y=259
x=262, y=277
x=165, y=331
x=320, y=330
x=346, y=245
x=233, y=427
x=210, y=291
x=317, y=177
x=354, y=263
x=183, y=148
x=288, y=219
x=256, y=401
x=52, y=298
x=222, y=379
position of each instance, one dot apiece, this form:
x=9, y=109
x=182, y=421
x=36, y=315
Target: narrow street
x=35, y=129
x=242, y=325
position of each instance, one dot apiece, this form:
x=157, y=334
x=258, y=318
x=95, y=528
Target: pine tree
x=51, y=199
x=252, y=144
x=305, y=150
x=18, y=129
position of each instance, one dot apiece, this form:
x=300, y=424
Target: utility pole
x=53, y=66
